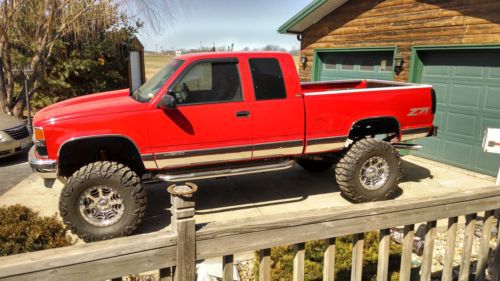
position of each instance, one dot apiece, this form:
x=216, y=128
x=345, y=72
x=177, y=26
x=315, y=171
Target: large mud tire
x=358, y=170
x=111, y=183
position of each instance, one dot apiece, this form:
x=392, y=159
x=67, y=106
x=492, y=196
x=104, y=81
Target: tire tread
x=105, y=169
x=346, y=168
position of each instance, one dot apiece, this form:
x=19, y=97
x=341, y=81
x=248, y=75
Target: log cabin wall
x=403, y=24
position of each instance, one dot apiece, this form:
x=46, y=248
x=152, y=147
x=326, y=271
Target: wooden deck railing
x=187, y=242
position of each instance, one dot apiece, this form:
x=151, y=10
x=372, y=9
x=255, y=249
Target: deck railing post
x=496, y=256
x=298, y=261
x=329, y=260
x=265, y=265
x=430, y=236
x=357, y=256
x=484, y=251
x=470, y=222
x=405, y=271
x=183, y=225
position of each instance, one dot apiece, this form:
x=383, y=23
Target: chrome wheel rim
x=374, y=173
x=101, y=205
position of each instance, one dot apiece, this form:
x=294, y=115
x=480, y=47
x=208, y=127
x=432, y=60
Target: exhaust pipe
x=408, y=146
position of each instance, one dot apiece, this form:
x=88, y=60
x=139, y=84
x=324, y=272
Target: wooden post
x=470, y=223
x=405, y=271
x=383, y=255
x=227, y=268
x=450, y=249
x=496, y=257
x=298, y=261
x=357, y=256
x=183, y=225
x=329, y=260
x=430, y=236
x=265, y=265
x=482, y=261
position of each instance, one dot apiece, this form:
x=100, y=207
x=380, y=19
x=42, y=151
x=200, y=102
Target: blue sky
x=251, y=23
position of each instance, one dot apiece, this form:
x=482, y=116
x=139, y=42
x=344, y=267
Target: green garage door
x=467, y=85
x=331, y=65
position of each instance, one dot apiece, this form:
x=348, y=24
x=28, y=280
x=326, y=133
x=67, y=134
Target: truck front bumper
x=46, y=168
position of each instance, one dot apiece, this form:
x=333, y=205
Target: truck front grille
x=19, y=132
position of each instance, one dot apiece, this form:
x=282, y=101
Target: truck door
x=211, y=122
x=277, y=110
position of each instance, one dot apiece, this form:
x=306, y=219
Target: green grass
x=154, y=62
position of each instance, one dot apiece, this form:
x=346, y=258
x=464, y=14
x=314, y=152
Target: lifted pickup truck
x=222, y=114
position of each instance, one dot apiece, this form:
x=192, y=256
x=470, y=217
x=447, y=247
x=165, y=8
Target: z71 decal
x=418, y=111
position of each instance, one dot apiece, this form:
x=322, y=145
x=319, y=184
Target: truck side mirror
x=167, y=102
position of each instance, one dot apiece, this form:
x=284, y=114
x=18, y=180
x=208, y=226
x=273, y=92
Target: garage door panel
x=439, y=120
x=492, y=99
x=457, y=152
x=467, y=85
x=437, y=72
x=489, y=122
x=469, y=72
x=442, y=89
x=466, y=96
x=494, y=73
x=485, y=161
x=461, y=124
x=431, y=147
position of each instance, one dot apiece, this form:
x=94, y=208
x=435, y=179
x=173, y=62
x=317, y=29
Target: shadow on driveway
x=246, y=195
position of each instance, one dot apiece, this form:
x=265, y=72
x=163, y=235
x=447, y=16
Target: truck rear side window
x=267, y=79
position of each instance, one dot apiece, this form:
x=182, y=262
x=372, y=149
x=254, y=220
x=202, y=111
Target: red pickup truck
x=222, y=114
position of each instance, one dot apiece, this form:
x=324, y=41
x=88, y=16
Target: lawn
x=154, y=62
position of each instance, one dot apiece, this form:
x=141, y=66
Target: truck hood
x=89, y=105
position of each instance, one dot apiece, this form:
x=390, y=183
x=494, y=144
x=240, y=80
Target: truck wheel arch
x=87, y=149
x=374, y=125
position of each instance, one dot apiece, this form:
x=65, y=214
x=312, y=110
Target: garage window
x=356, y=64
x=330, y=63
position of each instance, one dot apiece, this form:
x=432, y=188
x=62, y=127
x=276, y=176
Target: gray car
x=14, y=136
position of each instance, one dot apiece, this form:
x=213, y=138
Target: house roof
x=308, y=16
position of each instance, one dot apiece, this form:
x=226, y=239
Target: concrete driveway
x=13, y=170
x=268, y=193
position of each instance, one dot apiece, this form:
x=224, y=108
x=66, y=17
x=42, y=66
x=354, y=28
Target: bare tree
x=31, y=29
x=271, y=47
x=156, y=14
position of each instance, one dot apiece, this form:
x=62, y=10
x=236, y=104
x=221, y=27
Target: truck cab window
x=209, y=82
x=267, y=79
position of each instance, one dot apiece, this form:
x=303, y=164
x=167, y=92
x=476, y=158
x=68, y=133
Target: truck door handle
x=242, y=114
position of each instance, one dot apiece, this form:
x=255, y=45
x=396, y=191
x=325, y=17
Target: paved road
x=13, y=170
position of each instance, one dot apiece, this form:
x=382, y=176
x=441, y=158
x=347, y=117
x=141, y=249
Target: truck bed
x=333, y=107
x=353, y=86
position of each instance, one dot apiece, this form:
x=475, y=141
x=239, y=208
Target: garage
x=467, y=84
x=453, y=45
x=354, y=64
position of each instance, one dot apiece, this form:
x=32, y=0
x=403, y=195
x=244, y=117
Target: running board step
x=226, y=172
x=408, y=146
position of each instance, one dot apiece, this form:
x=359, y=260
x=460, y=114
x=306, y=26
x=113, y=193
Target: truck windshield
x=148, y=90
